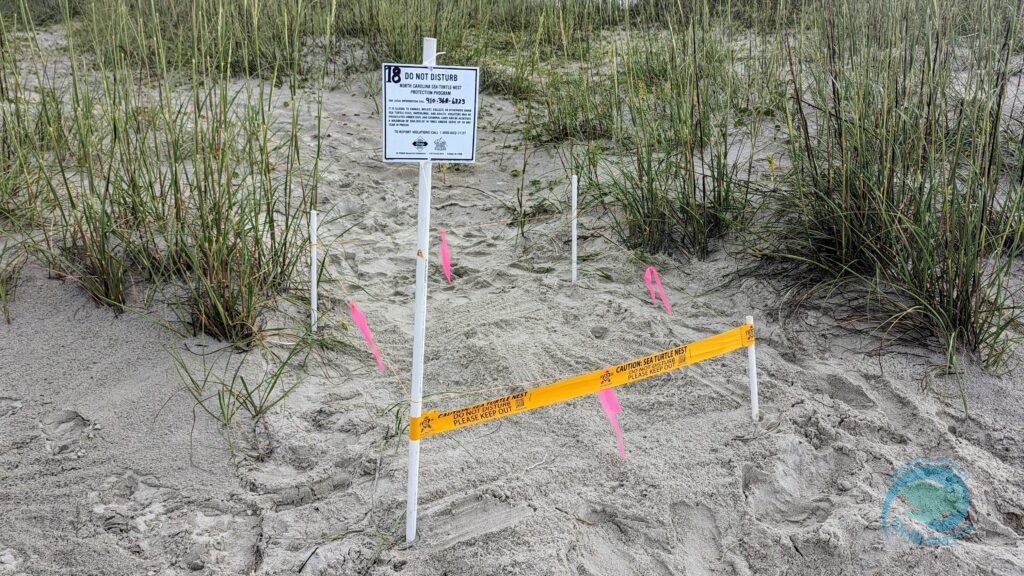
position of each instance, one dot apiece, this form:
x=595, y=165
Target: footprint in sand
x=609, y=535
x=844, y=389
x=469, y=517
x=151, y=521
x=9, y=407
x=63, y=431
x=699, y=534
x=792, y=487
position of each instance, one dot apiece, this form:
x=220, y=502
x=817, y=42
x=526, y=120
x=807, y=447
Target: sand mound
x=105, y=471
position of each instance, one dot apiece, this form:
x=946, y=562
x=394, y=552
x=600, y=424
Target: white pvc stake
x=575, y=188
x=312, y=269
x=752, y=373
x=420, y=319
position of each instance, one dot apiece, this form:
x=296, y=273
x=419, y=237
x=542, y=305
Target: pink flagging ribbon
x=446, y=256
x=653, y=274
x=360, y=320
x=611, y=407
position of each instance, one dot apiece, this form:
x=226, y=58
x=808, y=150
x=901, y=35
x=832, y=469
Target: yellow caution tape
x=434, y=422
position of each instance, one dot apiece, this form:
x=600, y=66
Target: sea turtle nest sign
x=429, y=113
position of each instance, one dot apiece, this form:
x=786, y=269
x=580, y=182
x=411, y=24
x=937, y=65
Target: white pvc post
x=420, y=319
x=752, y=373
x=312, y=269
x=575, y=188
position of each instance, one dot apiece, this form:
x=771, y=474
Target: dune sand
x=107, y=468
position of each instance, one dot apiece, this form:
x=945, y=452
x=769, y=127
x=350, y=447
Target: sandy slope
x=96, y=474
x=96, y=478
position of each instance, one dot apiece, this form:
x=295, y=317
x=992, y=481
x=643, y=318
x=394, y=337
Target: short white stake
x=419, y=333
x=752, y=373
x=312, y=269
x=575, y=190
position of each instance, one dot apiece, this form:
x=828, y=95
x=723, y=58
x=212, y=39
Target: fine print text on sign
x=429, y=113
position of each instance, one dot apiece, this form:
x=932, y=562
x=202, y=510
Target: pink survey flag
x=360, y=320
x=611, y=407
x=650, y=275
x=446, y=257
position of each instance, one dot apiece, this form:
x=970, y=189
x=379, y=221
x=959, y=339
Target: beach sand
x=107, y=468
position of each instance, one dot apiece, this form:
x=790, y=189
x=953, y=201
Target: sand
x=107, y=468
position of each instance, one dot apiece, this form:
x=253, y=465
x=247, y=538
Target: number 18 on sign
x=430, y=113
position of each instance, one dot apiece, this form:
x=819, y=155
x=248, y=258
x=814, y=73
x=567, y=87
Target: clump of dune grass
x=576, y=105
x=665, y=171
x=224, y=392
x=150, y=173
x=12, y=259
x=26, y=121
x=897, y=127
x=243, y=37
x=168, y=159
x=467, y=28
x=42, y=12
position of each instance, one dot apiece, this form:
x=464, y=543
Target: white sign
x=429, y=113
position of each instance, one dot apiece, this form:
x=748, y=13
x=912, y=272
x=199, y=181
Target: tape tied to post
x=434, y=422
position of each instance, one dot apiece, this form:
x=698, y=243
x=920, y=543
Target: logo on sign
x=420, y=143
x=440, y=145
x=425, y=425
